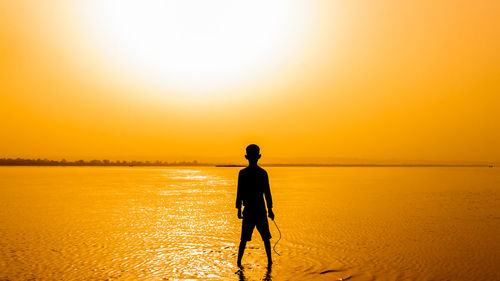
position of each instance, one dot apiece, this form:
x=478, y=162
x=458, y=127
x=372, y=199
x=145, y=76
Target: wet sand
x=343, y=223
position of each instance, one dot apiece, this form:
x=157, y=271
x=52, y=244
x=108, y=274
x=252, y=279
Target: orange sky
x=347, y=79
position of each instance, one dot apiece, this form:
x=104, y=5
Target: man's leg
x=267, y=245
x=241, y=250
x=263, y=228
x=247, y=227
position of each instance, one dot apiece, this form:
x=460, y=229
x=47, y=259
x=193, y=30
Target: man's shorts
x=250, y=222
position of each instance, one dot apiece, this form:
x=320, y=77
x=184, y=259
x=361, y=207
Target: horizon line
x=158, y=163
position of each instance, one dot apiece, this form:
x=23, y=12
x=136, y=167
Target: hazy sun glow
x=309, y=81
x=196, y=46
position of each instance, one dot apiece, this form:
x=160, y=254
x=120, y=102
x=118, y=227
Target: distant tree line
x=105, y=162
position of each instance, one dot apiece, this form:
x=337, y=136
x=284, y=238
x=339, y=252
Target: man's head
x=253, y=153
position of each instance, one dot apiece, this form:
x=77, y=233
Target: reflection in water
x=267, y=275
x=120, y=223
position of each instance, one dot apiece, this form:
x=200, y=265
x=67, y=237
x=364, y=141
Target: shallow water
x=121, y=223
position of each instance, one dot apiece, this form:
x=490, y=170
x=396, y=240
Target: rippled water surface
x=116, y=223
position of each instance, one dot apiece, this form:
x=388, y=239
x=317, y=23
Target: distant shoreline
x=105, y=162
x=87, y=164
x=119, y=163
x=370, y=165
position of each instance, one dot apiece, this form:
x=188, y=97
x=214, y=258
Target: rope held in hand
x=278, y=239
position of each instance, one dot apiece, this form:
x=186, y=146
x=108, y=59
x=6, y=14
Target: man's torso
x=253, y=181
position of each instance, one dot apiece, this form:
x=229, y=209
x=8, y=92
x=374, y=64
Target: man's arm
x=269, y=198
x=238, y=196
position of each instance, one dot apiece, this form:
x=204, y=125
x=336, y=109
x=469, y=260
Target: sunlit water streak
x=115, y=223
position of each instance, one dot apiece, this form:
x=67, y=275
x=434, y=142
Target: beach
x=180, y=223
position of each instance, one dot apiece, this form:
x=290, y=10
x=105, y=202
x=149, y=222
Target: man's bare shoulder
x=243, y=171
x=246, y=170
x=262, y=170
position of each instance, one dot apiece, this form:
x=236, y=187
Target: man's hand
x=270, y=214
x=239, y=214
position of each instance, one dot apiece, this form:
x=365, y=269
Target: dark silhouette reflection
x=253, y=186
x=241, y=274
x=267, y=276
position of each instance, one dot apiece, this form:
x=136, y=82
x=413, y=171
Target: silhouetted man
x=253, y=186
